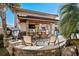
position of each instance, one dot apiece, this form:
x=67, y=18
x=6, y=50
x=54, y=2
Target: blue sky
x=51, y=8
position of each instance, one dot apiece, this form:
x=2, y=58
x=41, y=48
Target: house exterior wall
x=40, y=22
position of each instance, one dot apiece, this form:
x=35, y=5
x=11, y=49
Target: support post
x=51, y=28
x=27, y=28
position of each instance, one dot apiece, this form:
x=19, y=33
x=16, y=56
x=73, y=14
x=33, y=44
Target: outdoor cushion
x=52, y=39
x=27, y=40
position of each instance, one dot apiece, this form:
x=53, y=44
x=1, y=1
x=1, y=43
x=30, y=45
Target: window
x=31, y=26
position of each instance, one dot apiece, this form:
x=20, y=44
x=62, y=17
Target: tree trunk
x=5, y=41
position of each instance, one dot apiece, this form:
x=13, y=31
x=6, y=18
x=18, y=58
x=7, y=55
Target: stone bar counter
x=18, y=49
x=22, y=50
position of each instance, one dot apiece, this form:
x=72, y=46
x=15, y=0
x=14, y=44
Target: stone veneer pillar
x=37, y=28
x=16, y=21
x=27, y=27
x=51, y=28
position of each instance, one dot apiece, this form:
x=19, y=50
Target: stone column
x=51, y=28
x=16, y=21
x=27, y=27
x=47, y=29
x=40, y=27
x=37, y=28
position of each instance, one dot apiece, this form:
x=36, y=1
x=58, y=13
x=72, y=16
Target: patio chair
x=27, y=40
x=52, y=40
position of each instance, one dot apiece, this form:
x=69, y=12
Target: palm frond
x=69, y=18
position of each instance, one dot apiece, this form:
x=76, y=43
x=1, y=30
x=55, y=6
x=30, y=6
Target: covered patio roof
x=34, y=16
x=36, y=19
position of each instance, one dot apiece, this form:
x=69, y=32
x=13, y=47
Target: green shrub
x=3, y=50
x=1, y=40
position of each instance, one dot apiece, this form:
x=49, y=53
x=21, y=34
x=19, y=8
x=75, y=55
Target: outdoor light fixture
x=16, y=32
x=8, y=31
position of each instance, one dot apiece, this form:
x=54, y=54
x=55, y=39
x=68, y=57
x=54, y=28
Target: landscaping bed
x=76, y=41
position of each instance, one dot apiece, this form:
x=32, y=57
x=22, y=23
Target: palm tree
x=69, y=18
x=3, y=9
